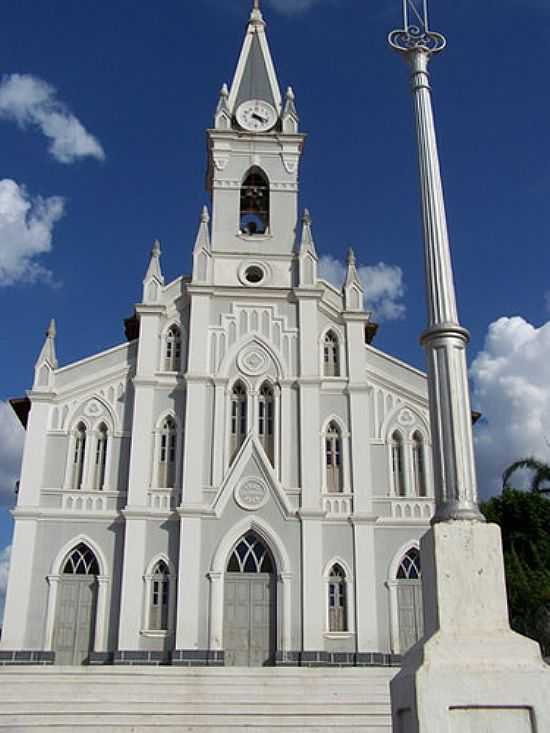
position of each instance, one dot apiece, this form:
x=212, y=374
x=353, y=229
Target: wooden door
x=75, y=619
x=249, y=619
x=411, y=623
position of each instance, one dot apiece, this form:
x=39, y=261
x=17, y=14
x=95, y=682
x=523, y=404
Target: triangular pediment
x=251, y=482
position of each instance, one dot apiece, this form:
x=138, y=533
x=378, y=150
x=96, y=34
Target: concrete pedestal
x=471, y=673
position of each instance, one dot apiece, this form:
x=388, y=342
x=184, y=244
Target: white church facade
x=246, y=479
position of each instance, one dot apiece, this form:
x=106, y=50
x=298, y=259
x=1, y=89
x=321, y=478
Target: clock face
x=256, y=115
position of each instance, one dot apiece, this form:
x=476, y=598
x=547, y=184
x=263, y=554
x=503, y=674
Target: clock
x=256, y=115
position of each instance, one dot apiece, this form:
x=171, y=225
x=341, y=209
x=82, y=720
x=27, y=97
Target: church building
x=245, y=480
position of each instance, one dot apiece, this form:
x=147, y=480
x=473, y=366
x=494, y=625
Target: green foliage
x=524, y=518
x=539, y=469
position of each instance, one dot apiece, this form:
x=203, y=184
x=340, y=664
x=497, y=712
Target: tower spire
x=255, y=76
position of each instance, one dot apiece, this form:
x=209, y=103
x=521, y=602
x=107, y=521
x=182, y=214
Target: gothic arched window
x=333, y=459
x=397, y=464
x=266, y=408
x=409, y=567
x=81, y=561
x=79, y=454
x=331, y=355
x=159, y=597
x=167, y=454
x=337, y=600
x=238, y=417
x=255, y=203
x=100, y=458
x=250, y=556
x=419, y=465
x=172, y=350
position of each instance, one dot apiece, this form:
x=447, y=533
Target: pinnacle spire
x=307, y=244
x=154, y=270
x=47, y=353
x=202, y=241
x=353, y=287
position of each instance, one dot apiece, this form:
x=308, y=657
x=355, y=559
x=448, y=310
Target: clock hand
x=258, y=117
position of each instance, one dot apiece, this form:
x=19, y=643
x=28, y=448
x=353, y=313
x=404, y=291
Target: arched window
x=397, y=464
x=159, y=597
x=331, y=355
x=419, y=465
x=250, y=556
x=409, y=600
x=337, y=600
x=333, y=459
x=409, y=567
x=100, y=458
x=172, y=350
x=167, y=454
x=266, y=407
x=238, y=417
x=81, y=561
x=79, y=454
x=255, y=203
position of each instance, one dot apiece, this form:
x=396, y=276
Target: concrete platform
x=114, y=700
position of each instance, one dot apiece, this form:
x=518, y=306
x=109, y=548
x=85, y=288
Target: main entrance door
x=76, y=607
x=250, y=623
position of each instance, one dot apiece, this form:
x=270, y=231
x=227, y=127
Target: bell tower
x=254, y=153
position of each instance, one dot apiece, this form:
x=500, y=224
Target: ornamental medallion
x=253, y=361
x=251, y=494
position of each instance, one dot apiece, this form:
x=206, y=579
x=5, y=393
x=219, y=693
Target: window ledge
x=155, y=634
x=339, y=634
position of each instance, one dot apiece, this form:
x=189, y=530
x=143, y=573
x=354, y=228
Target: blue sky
x=141, y=83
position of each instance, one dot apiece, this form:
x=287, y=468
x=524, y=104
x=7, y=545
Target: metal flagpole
x=444, y=340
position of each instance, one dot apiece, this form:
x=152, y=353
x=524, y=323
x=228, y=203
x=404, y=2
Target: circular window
x=254, y=275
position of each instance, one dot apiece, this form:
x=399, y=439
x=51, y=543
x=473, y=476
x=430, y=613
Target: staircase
x=214, y=700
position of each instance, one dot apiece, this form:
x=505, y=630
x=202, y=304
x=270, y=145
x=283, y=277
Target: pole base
x=471, y=672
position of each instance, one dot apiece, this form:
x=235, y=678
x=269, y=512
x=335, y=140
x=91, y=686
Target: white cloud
x=12, y=437
x=511, y=387
x=384, y=286
x=31, y=101
x=4, y=570
x=26, y=224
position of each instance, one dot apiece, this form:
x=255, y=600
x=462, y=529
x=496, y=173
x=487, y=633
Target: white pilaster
x=313, y=585
x=130, y=620
x=18, y=594
x=366, y=588
x=188, y=618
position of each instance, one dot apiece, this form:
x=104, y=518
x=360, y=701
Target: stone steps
x=113, y=700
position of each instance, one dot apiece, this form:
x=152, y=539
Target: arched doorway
x=409, y=600
x=74, y=628
x=250, y=618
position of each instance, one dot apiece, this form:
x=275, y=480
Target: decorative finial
x=416, y=34
x=224, y=91
x=256, y=14
x=306, y=217
x=205, y=216
x=351, y=257
x=155, y=252
x=290, y=94
x=51, y=332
